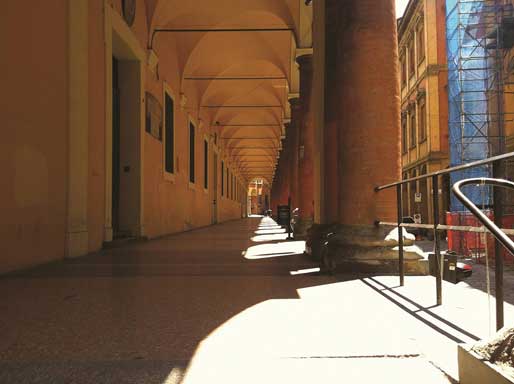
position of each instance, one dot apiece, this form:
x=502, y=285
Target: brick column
x=331, y=127
x=369, y=110
x=285, y=176
x=295, y=140
x=306, y=146
x=280, y=187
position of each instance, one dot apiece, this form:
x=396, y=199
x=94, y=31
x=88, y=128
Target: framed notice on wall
x=153, y=116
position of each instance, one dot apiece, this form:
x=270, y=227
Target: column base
x=361, y=249
x=77, y=244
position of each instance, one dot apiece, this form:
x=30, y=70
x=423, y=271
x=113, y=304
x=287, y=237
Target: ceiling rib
x=218, y=30
x=238, y=78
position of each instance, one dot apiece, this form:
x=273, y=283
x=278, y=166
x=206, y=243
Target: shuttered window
x=205, y=164
x=191, y=153
x=169, y=134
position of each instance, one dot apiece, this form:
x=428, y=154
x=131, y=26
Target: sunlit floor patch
x=305, y=271
x=273, y=237
x=269, y=231
x=286, y=248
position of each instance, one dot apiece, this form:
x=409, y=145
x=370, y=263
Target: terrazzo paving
x=229, y=303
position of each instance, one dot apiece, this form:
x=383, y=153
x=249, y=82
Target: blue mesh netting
x=468, y=77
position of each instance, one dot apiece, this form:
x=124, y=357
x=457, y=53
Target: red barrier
x=472, y=244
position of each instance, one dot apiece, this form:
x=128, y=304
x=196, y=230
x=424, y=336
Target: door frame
x=121, y=41
x=215, y=196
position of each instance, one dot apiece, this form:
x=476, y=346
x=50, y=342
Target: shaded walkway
x=229, y=297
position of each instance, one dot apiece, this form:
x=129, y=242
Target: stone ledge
x=474, y=369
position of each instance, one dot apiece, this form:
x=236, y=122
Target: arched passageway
x=132, y=170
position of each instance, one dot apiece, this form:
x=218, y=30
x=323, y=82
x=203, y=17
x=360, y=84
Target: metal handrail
x=488, y=223
x=473, y=164
x=498, y=170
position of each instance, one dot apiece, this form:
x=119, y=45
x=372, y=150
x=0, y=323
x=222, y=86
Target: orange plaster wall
x=96, y=178
x=33, y=146
x=172, y=206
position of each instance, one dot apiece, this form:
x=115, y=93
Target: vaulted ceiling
x=243, y=75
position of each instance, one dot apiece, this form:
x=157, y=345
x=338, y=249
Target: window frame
x=229, y=183
x=412, y=57
x=420, y=40
x=192, y=154
x=227, y=186
x=403, y=69
x=412, y=128
x=422, y=117
x=405, y=132
x=222, y=178
x=170, y=176
x=205, y=164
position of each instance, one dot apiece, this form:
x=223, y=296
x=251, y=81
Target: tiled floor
x=228, y=303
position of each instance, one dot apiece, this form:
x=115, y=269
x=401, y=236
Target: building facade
x=424, y=103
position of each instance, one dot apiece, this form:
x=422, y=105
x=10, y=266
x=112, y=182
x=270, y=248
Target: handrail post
x=437, y=244
x=498, y=173
x=399, y=206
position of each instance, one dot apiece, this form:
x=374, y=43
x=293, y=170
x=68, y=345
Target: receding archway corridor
x=230, y=303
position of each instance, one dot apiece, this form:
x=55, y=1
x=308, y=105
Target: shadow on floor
x=138, y=313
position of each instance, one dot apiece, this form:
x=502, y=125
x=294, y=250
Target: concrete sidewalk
x=232, y=303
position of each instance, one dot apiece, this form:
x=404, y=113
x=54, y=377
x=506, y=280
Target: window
x=412, y=59
x=205, y=164
x=421, y=41
x=422, y=120
x=233, y=187
x=169, y=134
x=191, y=153
x=404, y=71
x=404, y=133
x=412, y=128
x=222, y=178
x=228, y=183
x=405, y=195
x=412, y=193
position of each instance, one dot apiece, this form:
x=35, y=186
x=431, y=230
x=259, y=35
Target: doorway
x=115, y=148
x=126, y=126
x=214, y=218
x=124, y=133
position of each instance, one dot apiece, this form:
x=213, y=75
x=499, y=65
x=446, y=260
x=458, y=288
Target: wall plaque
x=153, y=116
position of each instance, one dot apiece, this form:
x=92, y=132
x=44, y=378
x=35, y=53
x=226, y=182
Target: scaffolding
x=478, y=38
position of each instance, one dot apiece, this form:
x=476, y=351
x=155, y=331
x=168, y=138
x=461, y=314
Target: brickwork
x=369, y=110
x=294, y=134
x=306, y=142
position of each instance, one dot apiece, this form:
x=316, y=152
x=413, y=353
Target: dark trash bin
x=449, y=268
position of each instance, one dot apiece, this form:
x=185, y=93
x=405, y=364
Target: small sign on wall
x=153, y=116
x=417, y=197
